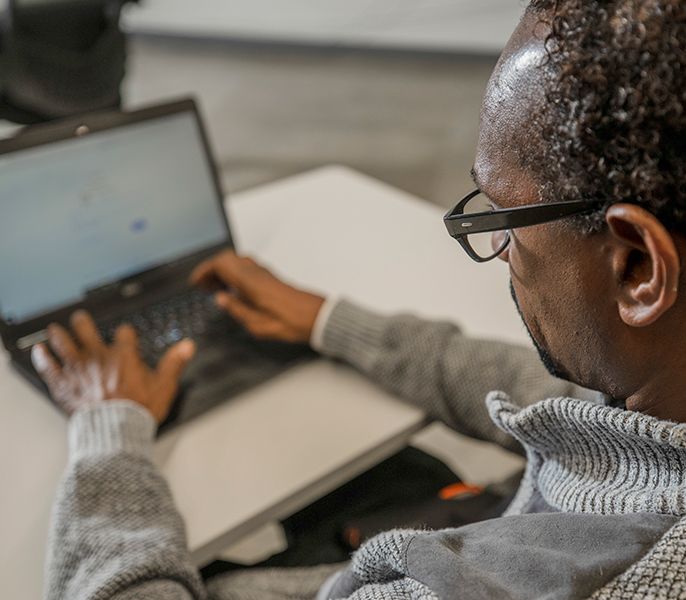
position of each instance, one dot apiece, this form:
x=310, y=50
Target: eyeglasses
x=474, y=221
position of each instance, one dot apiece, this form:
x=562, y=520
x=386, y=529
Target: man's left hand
x=92, y=371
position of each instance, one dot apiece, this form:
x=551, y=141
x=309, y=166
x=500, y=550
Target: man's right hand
x=265, y=305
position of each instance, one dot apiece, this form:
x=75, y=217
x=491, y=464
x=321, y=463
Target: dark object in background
x=60, y=58
x=409, y=489
x=455, y=505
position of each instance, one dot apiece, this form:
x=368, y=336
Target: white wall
x=472, y=25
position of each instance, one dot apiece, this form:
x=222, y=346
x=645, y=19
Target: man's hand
x=265, y=305
x=91, y=371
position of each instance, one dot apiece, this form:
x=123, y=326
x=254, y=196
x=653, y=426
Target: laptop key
x=161, y=325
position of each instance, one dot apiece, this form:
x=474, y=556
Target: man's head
x=588, y=101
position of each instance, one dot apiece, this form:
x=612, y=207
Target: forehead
x=509, y=135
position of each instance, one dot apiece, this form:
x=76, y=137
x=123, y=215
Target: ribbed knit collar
x=585, y=457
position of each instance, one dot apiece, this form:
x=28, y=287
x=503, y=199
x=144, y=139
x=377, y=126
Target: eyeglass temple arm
x=460, y=225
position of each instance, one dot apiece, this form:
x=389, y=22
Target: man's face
x=549, y=361
x=555, y=286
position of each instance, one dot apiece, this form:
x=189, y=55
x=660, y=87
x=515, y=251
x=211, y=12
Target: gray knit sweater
x=599, y=512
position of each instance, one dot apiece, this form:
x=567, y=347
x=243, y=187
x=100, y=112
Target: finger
x=206, y=272
x=172, y=364
x=62, y=344
x=258, y=323
x=87, y=333
x=46, y=366
x=53, y=376
x=126, y=339
x=271, y=329
x=203, y=274
x=238, y=272
x=237, y=308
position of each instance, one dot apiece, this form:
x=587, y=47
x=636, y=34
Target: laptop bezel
x=93, y=123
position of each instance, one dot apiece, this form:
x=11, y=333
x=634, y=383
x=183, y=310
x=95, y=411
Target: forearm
x=436, y=367
x=115, y=531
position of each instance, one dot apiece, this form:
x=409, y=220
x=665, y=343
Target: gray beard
x=550, y=364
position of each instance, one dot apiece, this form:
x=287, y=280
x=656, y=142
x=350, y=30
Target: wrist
x=109, y=427
x=326, y=307
x=310, y=306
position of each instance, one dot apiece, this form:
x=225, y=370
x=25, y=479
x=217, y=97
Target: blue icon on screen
x=139, y=225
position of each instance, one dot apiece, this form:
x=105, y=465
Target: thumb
x=174, y=361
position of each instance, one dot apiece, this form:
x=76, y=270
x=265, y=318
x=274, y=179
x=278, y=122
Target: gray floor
x=408, y=119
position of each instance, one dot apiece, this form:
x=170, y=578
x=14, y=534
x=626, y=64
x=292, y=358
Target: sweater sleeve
x=115, y=533
x=434, y=366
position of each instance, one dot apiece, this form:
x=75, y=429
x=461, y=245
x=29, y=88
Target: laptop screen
x=80, y=213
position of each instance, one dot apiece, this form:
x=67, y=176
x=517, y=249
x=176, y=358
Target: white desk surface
x=278, y=447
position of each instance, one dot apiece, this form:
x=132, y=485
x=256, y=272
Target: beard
x=551, y=365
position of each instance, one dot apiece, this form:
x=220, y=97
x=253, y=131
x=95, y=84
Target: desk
x=280, y=446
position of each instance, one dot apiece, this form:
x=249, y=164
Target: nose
x=498, y=240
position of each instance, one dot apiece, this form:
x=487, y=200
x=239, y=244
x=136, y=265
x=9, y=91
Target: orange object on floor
x=458, y=490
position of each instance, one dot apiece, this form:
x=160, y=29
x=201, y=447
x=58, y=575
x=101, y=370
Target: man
x=586, y=106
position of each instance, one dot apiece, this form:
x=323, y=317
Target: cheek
x=546, y=284
x=526, y=260
x=525, y=273
x=558, y=294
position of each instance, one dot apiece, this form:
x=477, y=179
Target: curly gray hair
x=615, y=122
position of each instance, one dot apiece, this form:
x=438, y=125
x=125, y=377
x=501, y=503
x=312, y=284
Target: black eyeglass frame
x=460, y=226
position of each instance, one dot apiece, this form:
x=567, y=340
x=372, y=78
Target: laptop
x=111, y=212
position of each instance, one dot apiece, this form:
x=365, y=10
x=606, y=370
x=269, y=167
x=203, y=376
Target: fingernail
x=220, y=298
x=187, y=348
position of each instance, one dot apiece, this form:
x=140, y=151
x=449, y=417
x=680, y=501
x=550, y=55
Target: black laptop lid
x=89, y=203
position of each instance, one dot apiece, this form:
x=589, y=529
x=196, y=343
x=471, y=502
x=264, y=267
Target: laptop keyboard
x=229, y=360
x=161, y=325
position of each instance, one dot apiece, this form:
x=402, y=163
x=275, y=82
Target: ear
x=645, y=263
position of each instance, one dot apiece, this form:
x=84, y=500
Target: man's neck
x=662, y=397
